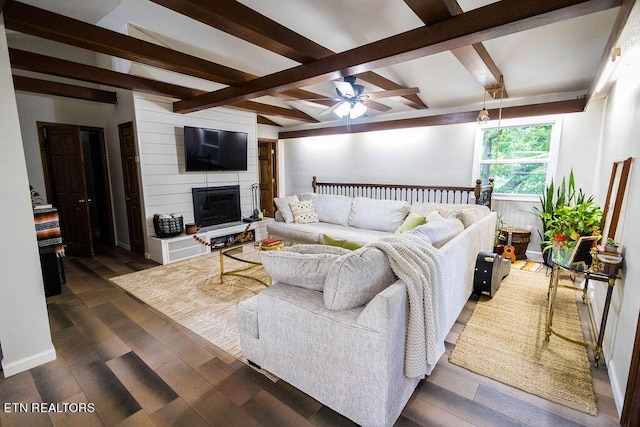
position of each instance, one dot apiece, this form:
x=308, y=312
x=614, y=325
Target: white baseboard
x=27, y=363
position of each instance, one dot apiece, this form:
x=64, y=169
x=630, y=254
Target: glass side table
x=581, y=269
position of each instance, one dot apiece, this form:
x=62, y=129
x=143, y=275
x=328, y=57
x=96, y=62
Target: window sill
x=515, y=197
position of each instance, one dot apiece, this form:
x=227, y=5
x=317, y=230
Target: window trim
x=554, y=147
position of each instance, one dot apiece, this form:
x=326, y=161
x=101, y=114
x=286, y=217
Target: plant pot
x=610, y=265
x=612, y=249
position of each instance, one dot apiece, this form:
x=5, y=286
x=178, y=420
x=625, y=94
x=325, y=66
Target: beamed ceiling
x=443, y=59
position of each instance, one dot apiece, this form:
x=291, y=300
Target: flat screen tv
x=214, y=150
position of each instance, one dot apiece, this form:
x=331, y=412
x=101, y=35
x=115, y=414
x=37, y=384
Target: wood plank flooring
x=139, y=368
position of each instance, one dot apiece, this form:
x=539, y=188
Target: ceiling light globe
x=342, y=110
x=357, y=110
x=483, y=116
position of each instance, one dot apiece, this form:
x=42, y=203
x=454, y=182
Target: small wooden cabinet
x=171, y=249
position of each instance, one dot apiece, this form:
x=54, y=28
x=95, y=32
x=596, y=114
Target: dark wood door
x=129, y=158
x=69, y=195
x=268, y=176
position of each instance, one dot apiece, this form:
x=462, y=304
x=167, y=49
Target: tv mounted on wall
x=214, y=150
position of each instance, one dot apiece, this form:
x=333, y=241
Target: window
x=518, y=154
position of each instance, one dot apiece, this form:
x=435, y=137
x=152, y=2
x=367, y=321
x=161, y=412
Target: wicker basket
x=167, y=227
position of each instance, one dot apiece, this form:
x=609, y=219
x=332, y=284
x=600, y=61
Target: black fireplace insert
x=216, y=205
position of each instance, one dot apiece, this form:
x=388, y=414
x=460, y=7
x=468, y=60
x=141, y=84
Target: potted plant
x=498, y=248
x=560, y=201
x=35, y=196
x=568, y=223
x=611, y=245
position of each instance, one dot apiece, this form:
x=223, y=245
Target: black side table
x=581, y=270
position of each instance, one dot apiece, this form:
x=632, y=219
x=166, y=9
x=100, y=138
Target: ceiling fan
x=352, y=100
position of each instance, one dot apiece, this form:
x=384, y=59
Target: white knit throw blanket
x=419, y=266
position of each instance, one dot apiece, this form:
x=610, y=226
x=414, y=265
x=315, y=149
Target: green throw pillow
x=412, y=221
x=342, y=243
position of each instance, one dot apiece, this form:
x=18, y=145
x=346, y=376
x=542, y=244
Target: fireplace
x=216, y=205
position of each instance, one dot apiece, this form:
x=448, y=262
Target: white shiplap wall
x=165, y=184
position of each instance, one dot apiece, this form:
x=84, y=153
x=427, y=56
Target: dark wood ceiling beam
x=42, y=23
x=491, y=21
x=273, y=110
x=28, y=84
x=475, y=57
x=245, y=23
x=616, y=31
x=49, y=25
x=560, y=107
x=29, y=61
x=262, y=120
x=376, y=79
x=236, y=19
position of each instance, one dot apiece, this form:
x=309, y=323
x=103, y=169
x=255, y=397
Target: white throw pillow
x=471, y=215
x=332, y=209
x=381, y=215
x=355, y=278
x=439, y=231
x=282, y=203
x=305, y=266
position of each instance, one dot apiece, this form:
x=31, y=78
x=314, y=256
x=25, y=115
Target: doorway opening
x=77, y=184
x=268, y=174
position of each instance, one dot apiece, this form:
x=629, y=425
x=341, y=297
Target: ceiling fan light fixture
x=343, y=109
x=357, y=110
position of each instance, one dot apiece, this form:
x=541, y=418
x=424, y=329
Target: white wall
x=619, y=141
x=123, y=113
x=33, y=108
x=24, y=326
x=166, y=185
x=439, y=155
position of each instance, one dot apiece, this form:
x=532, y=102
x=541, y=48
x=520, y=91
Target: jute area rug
x=505, y=340
x=190, y=293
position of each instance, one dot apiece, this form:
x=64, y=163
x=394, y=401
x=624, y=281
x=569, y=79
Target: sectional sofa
x=334, y=324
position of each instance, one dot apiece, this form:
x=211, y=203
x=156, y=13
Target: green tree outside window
x=517, y=158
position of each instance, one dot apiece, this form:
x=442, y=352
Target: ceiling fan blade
x=375, y=105
x=394, y=92
x=314, y=102
x=345, y=89
x=331, y=109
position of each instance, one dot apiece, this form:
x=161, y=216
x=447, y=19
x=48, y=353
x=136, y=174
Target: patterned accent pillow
x=303, y=212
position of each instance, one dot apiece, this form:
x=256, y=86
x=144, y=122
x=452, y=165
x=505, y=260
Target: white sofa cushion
x=470, y=215
x=282, y=203
x=305, y=266
x=355, y=278
x=438, y=230
x=447, y=210
x=382, y=215
x=332, y=209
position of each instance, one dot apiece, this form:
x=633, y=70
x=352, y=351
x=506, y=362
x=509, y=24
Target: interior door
x=69, y=191
x=267, y=170
x=131, y=187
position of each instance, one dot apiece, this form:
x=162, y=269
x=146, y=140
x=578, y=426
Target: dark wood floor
x=138, y=368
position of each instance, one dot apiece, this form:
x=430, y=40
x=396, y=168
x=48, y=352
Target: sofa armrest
x=383, y=309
